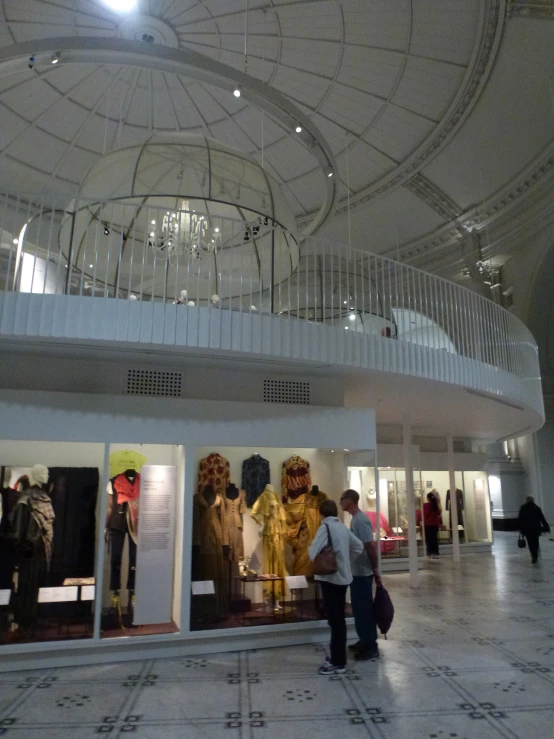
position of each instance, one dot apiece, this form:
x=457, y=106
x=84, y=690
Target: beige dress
x=210, y=533
x=234, y=511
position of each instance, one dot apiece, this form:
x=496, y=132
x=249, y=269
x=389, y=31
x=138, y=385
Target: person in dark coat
x=532, y=524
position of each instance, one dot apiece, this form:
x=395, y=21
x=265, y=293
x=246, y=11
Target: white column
x=377, y=512
x=453, y=502
x=409, y=471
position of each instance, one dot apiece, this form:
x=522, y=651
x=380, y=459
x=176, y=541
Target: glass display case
x=255, y=514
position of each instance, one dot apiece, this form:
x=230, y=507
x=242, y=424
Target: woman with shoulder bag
x=331, y=551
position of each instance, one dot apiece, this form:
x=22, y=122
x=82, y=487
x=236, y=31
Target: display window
x=255, y=514
x=142, y=530
x=472, y=504
x=48, y=539
x=386, y=505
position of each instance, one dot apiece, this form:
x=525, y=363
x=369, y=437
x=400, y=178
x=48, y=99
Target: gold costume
x=269, y=512
x=313, y=519
x=298, y=535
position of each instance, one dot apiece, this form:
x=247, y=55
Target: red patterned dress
x=214, y=471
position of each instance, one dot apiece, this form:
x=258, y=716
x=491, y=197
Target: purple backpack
x=383, y=609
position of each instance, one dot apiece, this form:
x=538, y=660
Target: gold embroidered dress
x=298, y=535
x=269, y=512
x=313, y=518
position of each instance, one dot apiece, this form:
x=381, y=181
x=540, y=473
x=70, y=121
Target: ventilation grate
x=154, y=382
x=287, y=391
x=459, y=445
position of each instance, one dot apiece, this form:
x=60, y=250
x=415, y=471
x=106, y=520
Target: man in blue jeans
x=364, y=569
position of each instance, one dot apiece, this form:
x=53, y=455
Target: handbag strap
x=329, y=540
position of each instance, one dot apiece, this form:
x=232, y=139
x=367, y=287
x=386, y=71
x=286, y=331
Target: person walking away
x=532, y=523
x=333, y=587
x=364, y=570
x=432, y=521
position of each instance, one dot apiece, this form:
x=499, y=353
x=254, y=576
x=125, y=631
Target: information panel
x=156, y=543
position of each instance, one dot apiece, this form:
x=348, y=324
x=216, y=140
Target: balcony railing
x=157, y=251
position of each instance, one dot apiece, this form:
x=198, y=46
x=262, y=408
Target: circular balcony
x=168, y=274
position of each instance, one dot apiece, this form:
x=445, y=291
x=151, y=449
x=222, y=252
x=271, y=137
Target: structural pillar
x=409, y=471
x=453, y=499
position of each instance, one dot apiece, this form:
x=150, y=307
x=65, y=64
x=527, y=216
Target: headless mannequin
x=34, y=554
x=131, y=476
x=232, y=492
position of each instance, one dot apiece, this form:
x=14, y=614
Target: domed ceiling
x=389, y=83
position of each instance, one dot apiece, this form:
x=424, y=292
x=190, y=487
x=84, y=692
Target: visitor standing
x=364, y=569
x=333, y=587
x=532, y=524
x=432, y=521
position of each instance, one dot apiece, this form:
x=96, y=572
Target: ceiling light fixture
x=298, y=129
x=56, y=58
x=330, y=172
x=237, y=92
x=352, y=317
x=121, y=6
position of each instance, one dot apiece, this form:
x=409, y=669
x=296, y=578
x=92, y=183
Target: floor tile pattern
x=470, y=656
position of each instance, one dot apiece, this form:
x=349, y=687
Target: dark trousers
x=533, y=544
x=117, y=541
x=432, y=539
x=334, y=601
x=361, y=593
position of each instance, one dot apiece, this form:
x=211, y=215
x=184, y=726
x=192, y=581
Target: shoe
x=363, y=655
x=329, y=669
x=534, y=560
x=355, y=647
x=435, y=556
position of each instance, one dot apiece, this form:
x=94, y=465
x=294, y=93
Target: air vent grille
x=287, y=391
x=459, y=445
x=154, y=382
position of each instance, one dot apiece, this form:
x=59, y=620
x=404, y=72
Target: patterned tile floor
x=470, y=656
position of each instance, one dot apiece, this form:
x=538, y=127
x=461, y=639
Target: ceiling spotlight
x=56, y=58
x=237, y=92
x=121, y=6
x=298, y=129
x=153, y=223
x=352, y=316
x=216, y=230
x=330, y=172
x=106, y=231
x=91, y=266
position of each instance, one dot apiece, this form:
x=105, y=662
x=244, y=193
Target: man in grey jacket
x=333, y=587
x=364, y=571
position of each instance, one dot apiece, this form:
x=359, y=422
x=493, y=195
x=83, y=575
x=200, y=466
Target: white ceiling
x=382, y=79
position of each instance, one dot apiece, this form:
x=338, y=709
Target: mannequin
x=269, y=512
x=459, y=509
x=210, y=542
x=32, y=525
x=122, y=523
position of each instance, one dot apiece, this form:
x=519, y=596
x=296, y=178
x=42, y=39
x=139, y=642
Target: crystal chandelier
x=184, y=233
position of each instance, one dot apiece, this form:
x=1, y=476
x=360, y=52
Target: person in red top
x=432, y=520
